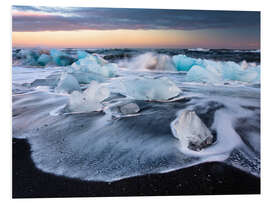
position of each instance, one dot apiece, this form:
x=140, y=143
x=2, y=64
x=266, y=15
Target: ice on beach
x=184, y=63
x=60, y=58
x=218, y=72
x=110, y=69
x=44, y=59
x=89, y=100
x=142, y=88
x=86, y=78
x=81, y=54
x=94, y=64
x=244, y=73
x=191, y=131
x=67, y=84
x=200, y=74
x=30, y=56
x=101, y=61
x=130, y=108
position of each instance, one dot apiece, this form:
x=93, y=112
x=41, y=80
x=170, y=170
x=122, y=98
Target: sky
x=82, y=27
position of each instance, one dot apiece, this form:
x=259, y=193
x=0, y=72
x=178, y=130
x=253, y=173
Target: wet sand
x=205, y=179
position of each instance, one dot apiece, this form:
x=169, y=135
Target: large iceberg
x=142, y=88
x=191, y=131
x=89, y=100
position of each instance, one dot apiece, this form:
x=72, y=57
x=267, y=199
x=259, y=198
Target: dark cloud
x=118, y=18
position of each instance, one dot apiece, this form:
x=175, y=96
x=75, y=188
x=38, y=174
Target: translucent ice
x=90, y=100
x=86, y=78
x=129, y=108
x=30, y=56
x=184, y=63
x=244, y=73
x=191, y=131
x=142, y=88
x=44, y=59
x=216, y=72
x=100, y=60
x=200, y=74
x=81, y=54
x=67, y=84
x=60, y=58
x=95, y=64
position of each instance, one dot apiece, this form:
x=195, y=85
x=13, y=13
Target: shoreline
x=213, y=178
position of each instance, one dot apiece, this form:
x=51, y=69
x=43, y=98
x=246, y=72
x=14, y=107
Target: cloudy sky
x=115, y=27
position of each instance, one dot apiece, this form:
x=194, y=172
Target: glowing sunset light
x=133, y=28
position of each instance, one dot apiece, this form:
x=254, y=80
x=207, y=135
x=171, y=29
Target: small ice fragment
x=191, y=131
x=130, y=108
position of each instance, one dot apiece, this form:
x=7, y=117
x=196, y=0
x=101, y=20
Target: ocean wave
x=199, y=49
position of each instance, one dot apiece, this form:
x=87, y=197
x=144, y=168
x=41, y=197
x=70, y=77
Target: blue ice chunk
x=94, y=63
x=86, y=78
x=216, y=72
x=67, y=84
x=142, y=88
x=31, y=57
x=89, y=100
x=184, y=63
x=201, y=74
x=60, y=58
x=111, y=69
x=81, y=54
x=44, y=59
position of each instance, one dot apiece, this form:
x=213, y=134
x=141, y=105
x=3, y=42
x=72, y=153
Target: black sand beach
x=205, y=179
